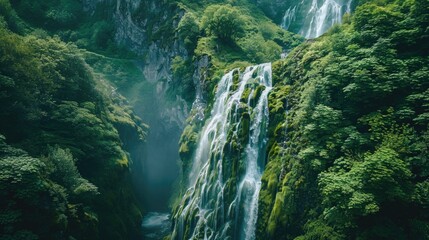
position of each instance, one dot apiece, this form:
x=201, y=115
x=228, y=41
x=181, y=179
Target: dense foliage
x=350, y=159
x=72, y=180
x=67, y=19
x=349, y=114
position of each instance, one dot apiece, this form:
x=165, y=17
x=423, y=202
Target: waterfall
x=224, y=182
x=312, y=20
x=289, y=17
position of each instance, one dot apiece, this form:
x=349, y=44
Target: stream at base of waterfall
x=156, y=225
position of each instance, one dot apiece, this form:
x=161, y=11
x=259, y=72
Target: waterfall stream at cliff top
x=313, y=19
x=225, y=179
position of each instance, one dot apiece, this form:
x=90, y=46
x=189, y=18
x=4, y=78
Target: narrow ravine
x=157, y=169
x=160, y=170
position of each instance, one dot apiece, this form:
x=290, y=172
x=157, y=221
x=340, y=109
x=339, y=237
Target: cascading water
x=222, y=200
x=289, y=17
x=312, y=20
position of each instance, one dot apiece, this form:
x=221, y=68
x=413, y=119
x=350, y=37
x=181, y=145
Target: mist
x=155, y=165
x=160, y=169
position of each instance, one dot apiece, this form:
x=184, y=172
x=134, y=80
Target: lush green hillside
x=64, y=171
x=349, y=158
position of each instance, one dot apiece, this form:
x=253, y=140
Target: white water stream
x=312, y=20
x=222, y=199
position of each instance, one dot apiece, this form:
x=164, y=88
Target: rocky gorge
x=215, y=119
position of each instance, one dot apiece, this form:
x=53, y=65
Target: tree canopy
x=223, y=21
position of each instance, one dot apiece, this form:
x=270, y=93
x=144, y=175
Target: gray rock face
x=200, y=75
x=138, y=25
x=157, y=64
x=127, y=31
x=199, y=78
x=274, y=8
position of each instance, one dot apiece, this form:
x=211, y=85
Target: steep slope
x=347, y=152
x=73, y=179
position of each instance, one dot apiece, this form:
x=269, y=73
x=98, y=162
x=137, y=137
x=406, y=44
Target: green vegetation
x=232, y=35
x=224, y=22
x=71, y=179
x=349, y=114
x=189, y=31
x=68, y=20
x=354, y=165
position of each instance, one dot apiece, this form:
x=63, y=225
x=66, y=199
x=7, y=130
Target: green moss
x=277, y=72
x=245, y=95
x=188, y=142
x=277, y=99
x=244, y=127
x=123, y=162
x=256, y=94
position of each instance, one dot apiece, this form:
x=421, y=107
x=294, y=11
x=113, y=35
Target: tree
x=189, y=31
x=381, y=178
x=31, y=205
x=224, y=22
x=66, y=173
